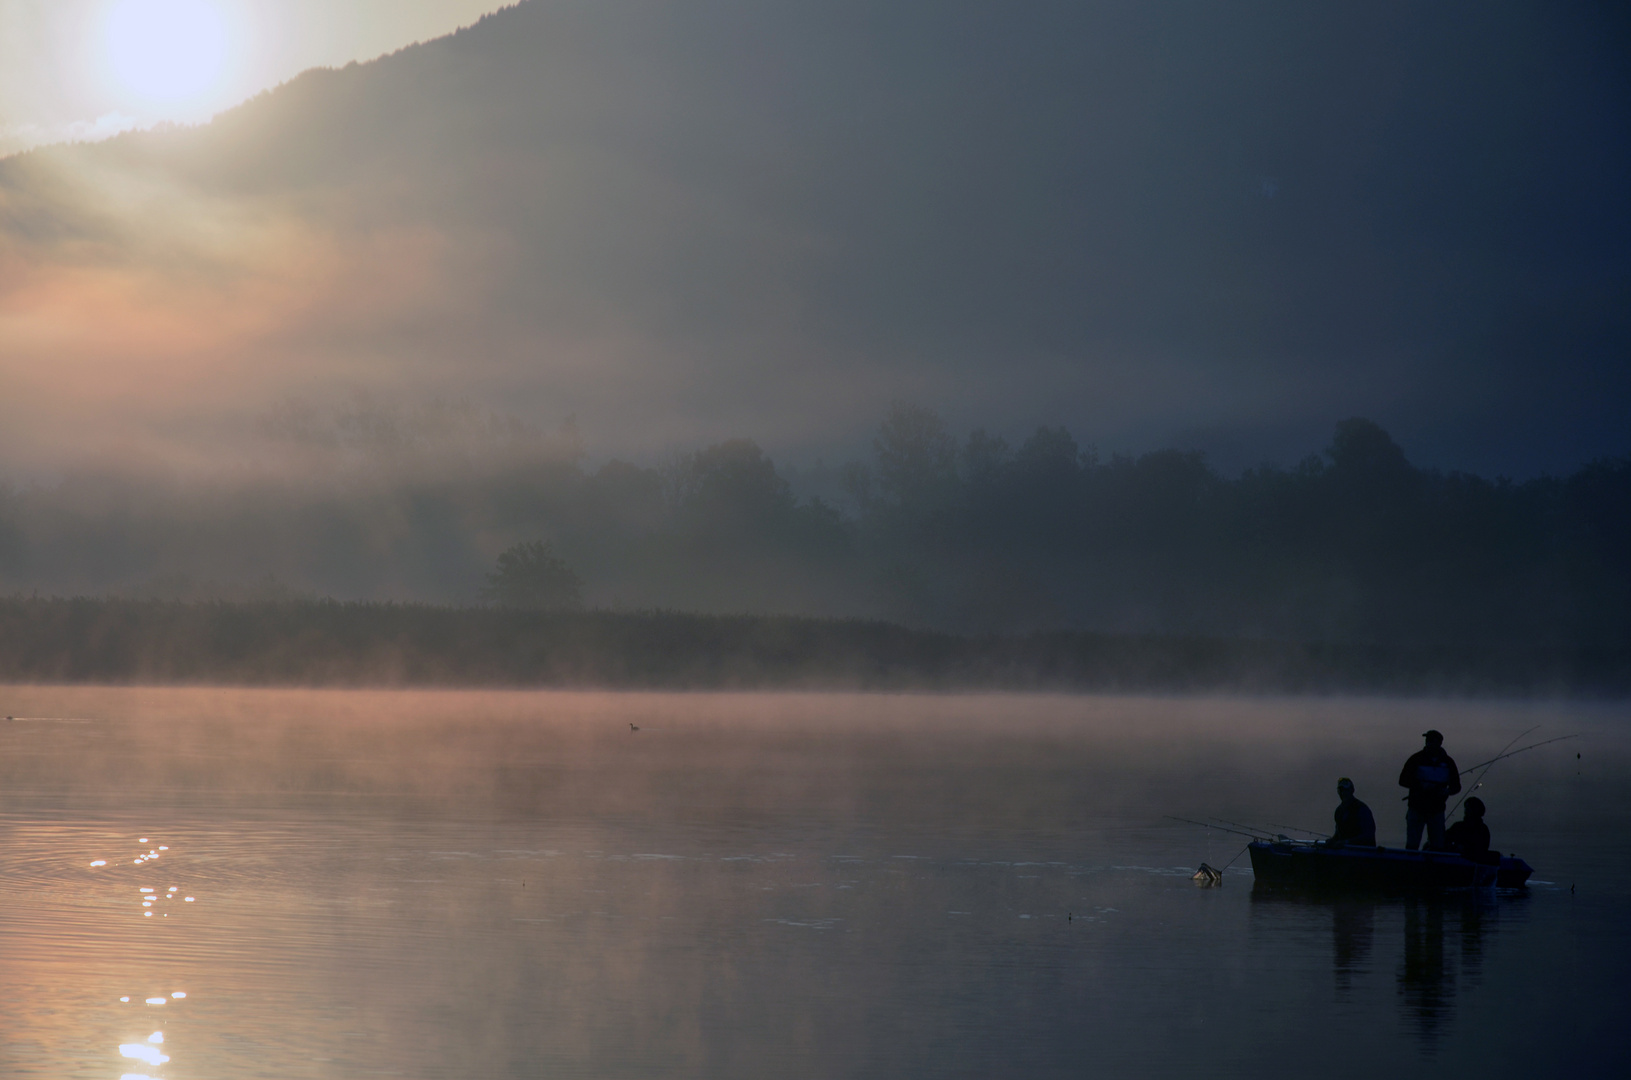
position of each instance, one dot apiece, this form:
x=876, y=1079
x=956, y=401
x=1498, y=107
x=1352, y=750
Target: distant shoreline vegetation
x=353, y=644
x=966, y=535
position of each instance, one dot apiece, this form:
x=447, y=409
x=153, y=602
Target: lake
x=248, y=883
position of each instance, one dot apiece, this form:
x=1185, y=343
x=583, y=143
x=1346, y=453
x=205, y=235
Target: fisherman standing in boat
x=1432, y=778
x=1356, y=825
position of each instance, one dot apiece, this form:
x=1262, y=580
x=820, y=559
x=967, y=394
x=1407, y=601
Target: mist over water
x=504, y=885
x=938, y=529
x=1072, y=346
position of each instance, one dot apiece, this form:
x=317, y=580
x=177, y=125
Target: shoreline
x=326, y=643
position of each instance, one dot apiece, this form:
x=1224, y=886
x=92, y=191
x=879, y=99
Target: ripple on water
x=790, y=897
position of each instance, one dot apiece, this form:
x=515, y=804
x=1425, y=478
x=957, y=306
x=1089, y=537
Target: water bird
x=634, y=727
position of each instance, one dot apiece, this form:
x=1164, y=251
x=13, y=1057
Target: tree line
x=113, y=641
x=964, y=534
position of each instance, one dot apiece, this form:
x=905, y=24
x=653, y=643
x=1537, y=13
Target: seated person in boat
x=1470, y=836
x=1432, y=778
x=1355, y=824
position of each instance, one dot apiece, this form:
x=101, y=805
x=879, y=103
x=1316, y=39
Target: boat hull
x=1378, y=869
x=1513, y=873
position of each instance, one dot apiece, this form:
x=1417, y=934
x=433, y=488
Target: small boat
x=1380, y=869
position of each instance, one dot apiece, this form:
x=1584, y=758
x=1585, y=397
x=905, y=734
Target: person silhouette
x=1355, y=823
x=1470, y=835
x=1431, y=777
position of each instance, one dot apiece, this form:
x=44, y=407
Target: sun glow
x=167, y=52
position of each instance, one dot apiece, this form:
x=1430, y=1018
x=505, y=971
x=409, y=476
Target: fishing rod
x=1293, y=828
x=1254, y=832
x=1272, y=825
x=1212, y=875
x=1515, y=740
x=1259, y=835
x=1485, y=766
x=1491, y=761
x=1515, y=753
x=1243, y=825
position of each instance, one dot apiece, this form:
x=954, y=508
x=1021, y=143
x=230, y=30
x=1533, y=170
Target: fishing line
x=1215, y=876
x=1516, y=752
x=1491, y=761
x=1243, y=825
x=1256, y=835
x=1238, y=854
x=1497, y=757
x=1500, y=757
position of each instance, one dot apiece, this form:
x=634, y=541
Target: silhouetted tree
x=916, y=456
x=731, y=487
x=979, y=534
x=1361, y=450
x=984, y=456
x=530, y=575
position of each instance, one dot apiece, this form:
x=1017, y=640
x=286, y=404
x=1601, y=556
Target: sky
x=56, y=82
x=1222, y=227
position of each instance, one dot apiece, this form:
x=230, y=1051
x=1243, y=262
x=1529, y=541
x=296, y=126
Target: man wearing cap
x=1355, y=823
x=1470, y=835
x=1432, y=778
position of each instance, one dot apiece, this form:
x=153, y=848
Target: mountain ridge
x=685, y=222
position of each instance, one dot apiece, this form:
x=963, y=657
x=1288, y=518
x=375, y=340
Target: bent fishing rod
x=1515, y=753
x=1486, y=765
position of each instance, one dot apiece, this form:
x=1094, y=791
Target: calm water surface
x=519, y=885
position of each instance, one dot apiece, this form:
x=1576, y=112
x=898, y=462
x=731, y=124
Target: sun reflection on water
x=143, y=1053
x=147, y=1051
x=341, y=934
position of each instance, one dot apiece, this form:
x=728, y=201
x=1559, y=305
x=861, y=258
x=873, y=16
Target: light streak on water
x=143, y=1053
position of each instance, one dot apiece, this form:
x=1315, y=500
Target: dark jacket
x=1470, y=837
x=1355, y=824
x=1432, y=778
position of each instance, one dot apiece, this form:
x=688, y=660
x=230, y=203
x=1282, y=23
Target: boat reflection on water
x=1353, y=932
x=1442, y=941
